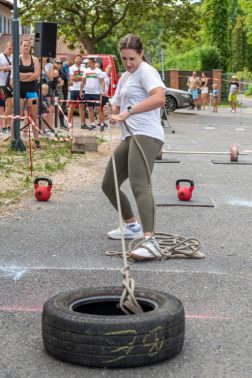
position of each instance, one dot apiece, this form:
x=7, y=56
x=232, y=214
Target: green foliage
x=246, y=6
x=240, y=49
x=203, y=58
x=210, y=58
x=248, y=91
x=234, y=11
x=217, y=28
x=237, y=47
x=108, y=46
x=101, y=140
x=87, y=23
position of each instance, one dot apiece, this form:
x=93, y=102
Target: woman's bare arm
x=49, y=75
x=35, y=75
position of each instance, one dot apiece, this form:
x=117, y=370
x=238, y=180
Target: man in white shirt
x=6, y=61
x=77, y=71
x=94, y=81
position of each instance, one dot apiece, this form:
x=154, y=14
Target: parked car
x=176, y=98
x=104, y=61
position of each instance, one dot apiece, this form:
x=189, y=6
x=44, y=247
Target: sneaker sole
x=125, y=237
x=136, y=257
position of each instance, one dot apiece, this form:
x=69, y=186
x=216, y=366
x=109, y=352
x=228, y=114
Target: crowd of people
x=75, y=80
x=194, y=83
x=83, y=79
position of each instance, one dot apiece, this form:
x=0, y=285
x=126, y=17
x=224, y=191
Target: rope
x=128, y=282
x=170, y=246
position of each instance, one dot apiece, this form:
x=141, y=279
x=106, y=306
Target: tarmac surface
x=60, y=245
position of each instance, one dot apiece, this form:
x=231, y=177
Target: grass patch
x=15, y=169
x=101, y=140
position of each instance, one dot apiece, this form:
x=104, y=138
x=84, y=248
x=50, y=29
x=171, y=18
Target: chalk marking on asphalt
x=21, y=309
x=118, y=269
x=239, y=202
x=15, y=273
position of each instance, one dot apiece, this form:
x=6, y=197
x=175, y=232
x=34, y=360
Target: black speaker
x=45, y=39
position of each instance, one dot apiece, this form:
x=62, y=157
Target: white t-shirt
x=134, y=88
x=78, y=72
x=4, y=63
x=106, y=81
x=93, y=85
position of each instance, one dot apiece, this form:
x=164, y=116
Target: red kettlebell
x=184, y=194
x=43, y=193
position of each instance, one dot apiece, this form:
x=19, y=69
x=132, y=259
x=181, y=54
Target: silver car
x=175, y=99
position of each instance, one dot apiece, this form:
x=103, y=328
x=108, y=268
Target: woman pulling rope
x=139, y=95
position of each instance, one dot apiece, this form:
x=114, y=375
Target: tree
x=88, y=23
x=246, y=6
x=240, y=47
x=237, y=47
x=217, y=28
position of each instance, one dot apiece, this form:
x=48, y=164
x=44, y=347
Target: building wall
x=5, y=20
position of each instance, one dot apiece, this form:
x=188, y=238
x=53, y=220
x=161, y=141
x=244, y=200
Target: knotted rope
x=170, y=246
x=128, y=282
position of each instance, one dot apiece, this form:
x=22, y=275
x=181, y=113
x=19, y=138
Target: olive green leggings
x=130, y=164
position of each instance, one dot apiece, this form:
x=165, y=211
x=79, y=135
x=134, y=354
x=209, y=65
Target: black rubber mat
x=199, y=201
x=168, y=161
x=241, y=162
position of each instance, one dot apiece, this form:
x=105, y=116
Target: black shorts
x=28, y=95
x=93, y=97
x=75, y=95
x=104, y=101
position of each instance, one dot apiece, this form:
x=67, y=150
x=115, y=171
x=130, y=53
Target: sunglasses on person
x=58, y=62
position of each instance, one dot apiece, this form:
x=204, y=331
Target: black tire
x=170, y=103
x=112, y=341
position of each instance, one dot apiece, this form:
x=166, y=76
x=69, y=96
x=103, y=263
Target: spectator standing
x=6, y=61
x=29, y=72
x=48, y=77
x=77, y=72
x=193, y=84
x=94, y=81
x=215, y=98
x=45, y=106
x=61, y=89
x=106, y=76
x=66, y=67
x=204, y=89
x=234, y=88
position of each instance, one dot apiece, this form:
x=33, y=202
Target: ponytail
x=145, y=59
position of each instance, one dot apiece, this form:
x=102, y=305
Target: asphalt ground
x=60, y=245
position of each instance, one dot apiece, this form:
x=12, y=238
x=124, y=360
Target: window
x=0, y=23
x=9, y=26
x=4, y=25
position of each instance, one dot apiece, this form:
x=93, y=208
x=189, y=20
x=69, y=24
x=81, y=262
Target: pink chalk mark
x=21, y=309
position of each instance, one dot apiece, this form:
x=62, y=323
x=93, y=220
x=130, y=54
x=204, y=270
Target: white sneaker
x=143, y=253
x=231, y=110
x=128, y=232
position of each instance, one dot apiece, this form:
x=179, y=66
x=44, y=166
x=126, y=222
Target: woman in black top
x=29, y=71
x=62, y=89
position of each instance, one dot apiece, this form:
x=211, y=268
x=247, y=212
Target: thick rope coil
x=170, y=247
